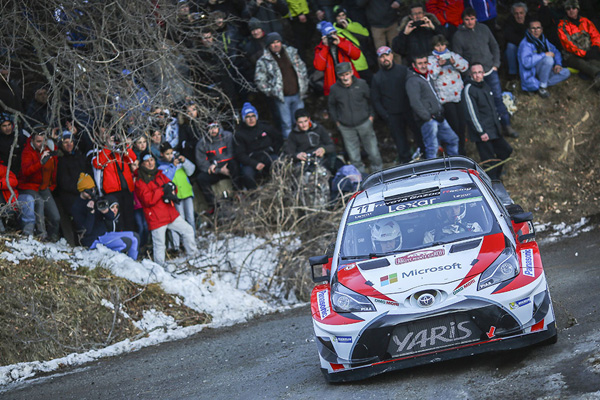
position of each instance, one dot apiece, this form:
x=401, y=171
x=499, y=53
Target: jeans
x=249, y=173
x=141, y=226
x=434, y=132
x=493, y=80
x=548, y=77
x=159, y=238
x=186, y=210
x=36, y=207
x=511, y=58
x=353, y=136
x=286, y=112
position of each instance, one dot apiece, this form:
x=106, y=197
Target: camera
x=445, y=56
x=331, y=37
x=102, y=204
x=176, y=155
x=417, y=24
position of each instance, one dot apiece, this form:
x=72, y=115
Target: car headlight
x=346, y=300
x=504, y=268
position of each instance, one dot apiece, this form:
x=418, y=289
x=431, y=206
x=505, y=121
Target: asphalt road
x=274, y=357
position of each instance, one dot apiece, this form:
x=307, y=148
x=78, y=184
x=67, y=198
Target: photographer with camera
x=178, y=169
x=416, y=32
x=428, y=110
x=90, y=216
x=332, y=51
x=157, y=194
x=37, y=180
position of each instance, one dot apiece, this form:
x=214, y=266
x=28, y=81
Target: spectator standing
x=388, y=92
x=215, y=160
x=484, y=126
x=7, y=138
x=281, y=75
x=157, y=194
x=253, y=48
x=178, y=169
x=445, y=69
x=90, y=217
x=37, y=180
x=475, y=42
x=331, y=51
x=189, y=131
x=382, y=16
x=8, y=193
x=485, y=11
x=428, y=110
x=540, y=62
x=358, y=35
x=38, y=111
x=310, y=138
x=351, y=110
x=514, y=32
x=416, y=31
x=302, y=28
x=257, y=146
x=581, y=41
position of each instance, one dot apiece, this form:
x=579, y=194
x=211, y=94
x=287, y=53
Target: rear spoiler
x=424, y=167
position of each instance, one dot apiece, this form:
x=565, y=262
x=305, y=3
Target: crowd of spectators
x=433, y=69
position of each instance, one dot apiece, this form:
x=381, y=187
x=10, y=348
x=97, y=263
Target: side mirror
x=522, y=217
x=321, y=274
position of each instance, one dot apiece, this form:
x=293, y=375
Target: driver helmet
x=386, y=231
x=452, y=216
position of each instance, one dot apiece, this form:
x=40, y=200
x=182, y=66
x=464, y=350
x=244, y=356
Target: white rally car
x=432, y=261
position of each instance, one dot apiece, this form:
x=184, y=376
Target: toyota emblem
x=426, y=300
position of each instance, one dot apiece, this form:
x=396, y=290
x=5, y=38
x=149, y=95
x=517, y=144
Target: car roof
x=413, y=186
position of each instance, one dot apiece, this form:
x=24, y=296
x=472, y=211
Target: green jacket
x=297, y=7
x=355, y=28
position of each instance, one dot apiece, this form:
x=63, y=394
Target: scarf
x=147, y=175
x=540, y=44
x=438, y=53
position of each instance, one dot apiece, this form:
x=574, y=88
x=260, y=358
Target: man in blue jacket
x=540, y=62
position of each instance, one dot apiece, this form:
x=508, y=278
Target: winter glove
x=169, y=195
x=593, y=53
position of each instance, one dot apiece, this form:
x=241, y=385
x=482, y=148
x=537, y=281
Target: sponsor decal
x=423, y=271
x=386, y=302
x=527, y=262
x=349, y=267
x=457, y=189
x=323, y=304
x=460, y=195
x=419, y=255
x=362, y=209
x=432, y=337
x=412, y=204
x=519, y=303
x=388, y=279
x=343, y=339
x=463, y=287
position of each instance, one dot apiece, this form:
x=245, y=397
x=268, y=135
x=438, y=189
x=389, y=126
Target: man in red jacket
x=8, y=192
x=333, y=46
x=37, y=180
x=156, y=193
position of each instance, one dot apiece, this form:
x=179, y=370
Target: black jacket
x=67, y=174
x=480, y=111
x=253, y=144
x=316, y=136
x=418, y=42
x=388, y=91
x=89, y=225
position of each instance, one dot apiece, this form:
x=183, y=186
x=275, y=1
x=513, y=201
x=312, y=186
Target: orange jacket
x=114, y=165
x=31, y=176
x=566, y=28
x=324, y=61
x=12, y=181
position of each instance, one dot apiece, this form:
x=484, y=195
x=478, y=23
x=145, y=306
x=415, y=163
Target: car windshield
x=443, y=216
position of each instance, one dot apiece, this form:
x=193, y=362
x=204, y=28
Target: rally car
x=432, y=261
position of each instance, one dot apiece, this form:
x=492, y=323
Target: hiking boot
x=510, y=132
x=544, y=93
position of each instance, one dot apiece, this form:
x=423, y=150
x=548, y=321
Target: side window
x=499, y=204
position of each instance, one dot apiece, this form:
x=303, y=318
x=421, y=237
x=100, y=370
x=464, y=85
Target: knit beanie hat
x=85, y=182
x=327, y=28
x=271, y=37
x=254, y=23
x=248, y=109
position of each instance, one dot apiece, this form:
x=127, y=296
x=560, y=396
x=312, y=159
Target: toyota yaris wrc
x=432, y=261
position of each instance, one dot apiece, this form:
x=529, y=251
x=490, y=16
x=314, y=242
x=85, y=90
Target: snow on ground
x=220, y=281
x=552, y=233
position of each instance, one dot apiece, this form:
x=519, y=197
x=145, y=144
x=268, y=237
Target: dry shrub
x=49, y=311
x=283, y=211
